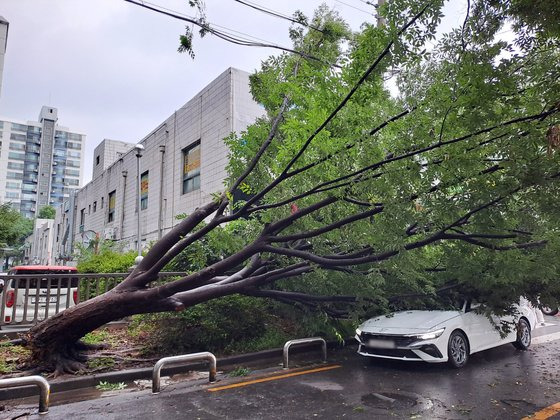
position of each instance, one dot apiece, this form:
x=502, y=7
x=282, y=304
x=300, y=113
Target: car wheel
x=549, y=311
x=523, y=335
x=457, y=349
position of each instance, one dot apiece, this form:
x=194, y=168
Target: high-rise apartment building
x=40, y=162
x=4, y=25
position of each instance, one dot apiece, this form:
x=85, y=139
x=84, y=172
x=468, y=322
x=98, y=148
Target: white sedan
x=441, y=336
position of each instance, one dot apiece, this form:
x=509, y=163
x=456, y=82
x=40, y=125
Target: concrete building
x=4, y=26
x=40, y=162
x=39, y=244
x=183, y=163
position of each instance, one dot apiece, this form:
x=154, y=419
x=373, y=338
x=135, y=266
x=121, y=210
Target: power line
x=369, y=3
x=206, y=26
x=277, y=14
x=354, y=7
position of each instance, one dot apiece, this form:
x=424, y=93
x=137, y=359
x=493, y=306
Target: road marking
x=273, y=378
x=545, y=413
x=546, y=338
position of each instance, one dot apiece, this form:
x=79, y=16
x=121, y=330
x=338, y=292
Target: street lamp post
x=139, y=148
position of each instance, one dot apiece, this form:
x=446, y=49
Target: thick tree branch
x=328, y=228
x=153, y=262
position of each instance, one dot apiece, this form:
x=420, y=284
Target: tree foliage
x=14, y=228
x=104, y=257
x=355, y=194
x=47, y=212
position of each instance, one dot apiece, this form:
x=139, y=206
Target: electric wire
x=354, y=7
x=222, y=34
x=277, y=14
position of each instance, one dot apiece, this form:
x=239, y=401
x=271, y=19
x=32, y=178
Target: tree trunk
x=55, y=342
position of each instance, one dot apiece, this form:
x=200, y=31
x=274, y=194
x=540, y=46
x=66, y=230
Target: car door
x=481, y=331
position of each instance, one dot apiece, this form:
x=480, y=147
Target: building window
x=94, y=206
x=14, y=155
x=17, y=146
x=191, y=168
x=72, y=172
x=82, y=219
x=19, y=127
x=16, y=165
x=97, y=160
x=144, y=191
x=89, y=209
x=112, y=202
x=14, y=175
x=102, y=201
x=13, y=185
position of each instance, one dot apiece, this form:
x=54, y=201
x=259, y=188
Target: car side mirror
x=473, y=306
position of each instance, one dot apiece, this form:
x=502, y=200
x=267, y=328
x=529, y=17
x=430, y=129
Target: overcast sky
x=112, y=68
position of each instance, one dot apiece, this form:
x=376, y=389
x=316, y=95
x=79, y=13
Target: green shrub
x=106, y=261
x=218, y=325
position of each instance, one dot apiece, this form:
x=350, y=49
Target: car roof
x=43, y=267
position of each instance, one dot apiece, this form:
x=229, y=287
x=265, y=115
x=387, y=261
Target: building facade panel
x=183, y=162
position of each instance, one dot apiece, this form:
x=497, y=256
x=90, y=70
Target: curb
x=129, y=375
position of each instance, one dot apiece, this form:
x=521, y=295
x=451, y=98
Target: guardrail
x=183, y=358
x=304, y=341
x=30, y=298
x=44, y=388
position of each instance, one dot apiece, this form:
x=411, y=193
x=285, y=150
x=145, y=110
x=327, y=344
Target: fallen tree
x=450, y=180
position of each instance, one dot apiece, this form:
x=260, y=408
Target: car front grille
x=399, y=340
x=400, y=353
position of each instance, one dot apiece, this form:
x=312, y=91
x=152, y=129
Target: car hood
x=407, y=322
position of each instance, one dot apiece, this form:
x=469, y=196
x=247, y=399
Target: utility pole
x=380, y=19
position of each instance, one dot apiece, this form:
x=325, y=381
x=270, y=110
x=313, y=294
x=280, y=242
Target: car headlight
x=358, y=331
x=429, y=335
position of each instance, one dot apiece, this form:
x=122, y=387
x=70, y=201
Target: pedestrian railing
x=44, y=388
x=301, y=341
x=30, y=298
x=193, y=357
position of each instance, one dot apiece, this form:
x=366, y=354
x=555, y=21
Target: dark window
x=97, y=160
x=144, y=191
x=112, y=202
x=94, y=206
x=82, y=219
x=191, y=168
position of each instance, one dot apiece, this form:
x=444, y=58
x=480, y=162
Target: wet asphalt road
x=502, y=383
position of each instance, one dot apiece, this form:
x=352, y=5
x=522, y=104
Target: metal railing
x=304, y=341
x=30, y=298
x=44, y=388
x=156, y=373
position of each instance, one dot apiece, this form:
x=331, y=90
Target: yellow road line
x=273, y=378
x=545, y=413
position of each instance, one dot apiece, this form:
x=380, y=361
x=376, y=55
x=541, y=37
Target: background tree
x=14, y=228
x=446, y=184
x=47, y=212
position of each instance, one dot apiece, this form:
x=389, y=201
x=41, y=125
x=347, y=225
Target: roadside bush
x=219, y=325
x=106, y=261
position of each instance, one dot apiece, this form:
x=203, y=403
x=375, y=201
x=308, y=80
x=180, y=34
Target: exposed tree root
x=59, y=360
x=81, y=346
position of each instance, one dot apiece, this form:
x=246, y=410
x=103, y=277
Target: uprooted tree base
x=55, y=344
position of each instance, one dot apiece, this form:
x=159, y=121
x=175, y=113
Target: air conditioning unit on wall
x=110, y=233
